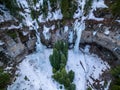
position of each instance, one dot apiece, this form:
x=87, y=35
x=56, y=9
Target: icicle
x=39, y=46
x=79, y=26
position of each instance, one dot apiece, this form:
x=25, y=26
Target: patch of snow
x=96, y=4
x=77, y=14
x=22, y=3
x=40, y=18
x=8, y=68
x=108, y=85
x=94, y=33
x=6, y=14
x=106, y=32
x=99, y=4
x=57, y=14
x=46, y=32
x=1, y=43
x=95, y=67
x=52, y=27
x=100, y=25
x=1, y=19
x=115, y=48
x=41, y=2
x=25, y=33
x=66, y=29
x=118, y=21
x=70, y=37
x=91, y=16
x=50, y=16
x=27, y=19
x=14, y=27
x=87, y=48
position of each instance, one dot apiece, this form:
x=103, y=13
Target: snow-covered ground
x=35, y=71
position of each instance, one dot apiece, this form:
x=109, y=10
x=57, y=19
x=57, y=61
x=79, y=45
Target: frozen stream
x=35, y=71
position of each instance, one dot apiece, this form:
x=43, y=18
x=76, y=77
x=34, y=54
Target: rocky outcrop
x=11, y=48
x=103, y=33
x=102, y=40
x=107, y=36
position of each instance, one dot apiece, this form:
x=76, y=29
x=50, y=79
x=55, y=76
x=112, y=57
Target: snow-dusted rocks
x=106, y=32
x=5, y=14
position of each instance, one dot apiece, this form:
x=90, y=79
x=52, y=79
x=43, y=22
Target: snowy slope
x=35, y=72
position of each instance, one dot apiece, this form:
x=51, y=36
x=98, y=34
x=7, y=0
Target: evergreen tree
x=63, y=60
x=68, y=8
x=58, y=61
x=4, y=79
x=115, y=8
x=116, y=81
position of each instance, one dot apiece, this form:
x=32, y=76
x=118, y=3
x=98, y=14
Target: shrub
x=4, y=79
x=53, y=4
x=71, y=87
x=55, y=59
x=115, y=8
x=33, y=13
x=116, y=72
x=116, y=81
x=63, y=61
x=68, y=8
x=115, y=87
x=44, y=9
x=89, y=88
x=71, y=75
x=59, y=57
x=66, y=79
x=61, y=77
x=12, y=34
x=35, y=1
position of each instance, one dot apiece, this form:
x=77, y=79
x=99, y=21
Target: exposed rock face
x=10, y=47
x=97, y=34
